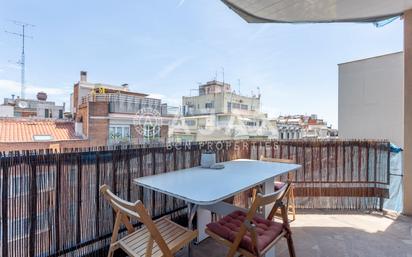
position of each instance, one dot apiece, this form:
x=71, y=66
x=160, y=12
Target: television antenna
x=22, y=61
x=223, y=76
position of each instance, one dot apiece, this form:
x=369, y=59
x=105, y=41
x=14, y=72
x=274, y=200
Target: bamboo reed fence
x=335, y=174
x=51, y=204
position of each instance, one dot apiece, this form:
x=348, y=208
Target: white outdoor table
x=205, y=189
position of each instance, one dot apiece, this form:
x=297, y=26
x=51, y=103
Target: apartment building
x=218, y=113
x=303, y=126
x=36, y=108
x=216, y=97
x=371, y=95
x=107, y=114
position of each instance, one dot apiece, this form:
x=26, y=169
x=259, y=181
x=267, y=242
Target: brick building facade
x=109, y=115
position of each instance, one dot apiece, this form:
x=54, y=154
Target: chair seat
x=279, y=185
x=229, y=226
x=174, y=235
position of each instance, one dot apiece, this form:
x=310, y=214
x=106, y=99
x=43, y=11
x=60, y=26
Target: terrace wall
x=371, y=103
x=51, y=204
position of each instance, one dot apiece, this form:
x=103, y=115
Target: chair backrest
x=127, y=210
x=267, y=159
x=261, y=200
x=275, y=197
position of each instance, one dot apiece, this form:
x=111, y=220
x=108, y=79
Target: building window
x=126, y=132
x=209, y=105
x=60, y=114
x=190, y=122
x=235, y=105
x=223, y=118
x=244, y=107
x=119, y=133
x=251, y=123
x=151, y=132
x=46, y=113
x=201, y=123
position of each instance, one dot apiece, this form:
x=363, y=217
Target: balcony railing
x=51, y=204
x=122, y=103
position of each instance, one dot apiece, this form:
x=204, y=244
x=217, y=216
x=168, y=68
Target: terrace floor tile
x=336, y=234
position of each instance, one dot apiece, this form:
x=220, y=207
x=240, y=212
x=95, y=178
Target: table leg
x=191, y=211
x=204, y=217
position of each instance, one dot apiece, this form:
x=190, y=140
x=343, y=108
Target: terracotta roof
x=27, y=130
x=312, y=122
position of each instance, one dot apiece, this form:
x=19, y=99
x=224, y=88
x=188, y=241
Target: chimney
x=78, y=128
x=83, y=76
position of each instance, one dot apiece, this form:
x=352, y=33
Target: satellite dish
x=23, y=105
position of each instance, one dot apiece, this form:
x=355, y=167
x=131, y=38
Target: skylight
x=42, y=137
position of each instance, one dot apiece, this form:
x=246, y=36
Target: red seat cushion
x=279, y=185
x=228, y=228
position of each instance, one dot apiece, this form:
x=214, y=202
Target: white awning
x=313, y=11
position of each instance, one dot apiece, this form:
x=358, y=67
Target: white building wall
x=371, y=98
x=6, y=111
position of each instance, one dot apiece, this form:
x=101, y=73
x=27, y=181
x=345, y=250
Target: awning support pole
x=408, y=113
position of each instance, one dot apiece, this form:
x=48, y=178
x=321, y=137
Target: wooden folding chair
x=290, y=203
x=251, y=235
x=157, y=238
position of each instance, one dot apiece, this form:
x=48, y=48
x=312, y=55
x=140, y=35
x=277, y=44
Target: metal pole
x=22, y=61
x=23, y=67
x=408, y=112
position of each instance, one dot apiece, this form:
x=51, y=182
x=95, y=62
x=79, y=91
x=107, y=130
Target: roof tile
x=24, y=130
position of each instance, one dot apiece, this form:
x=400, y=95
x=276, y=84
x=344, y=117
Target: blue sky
x=166, y=47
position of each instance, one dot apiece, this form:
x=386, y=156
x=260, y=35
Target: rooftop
x=215, y=82
x=35, y=130
x=106, y=88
